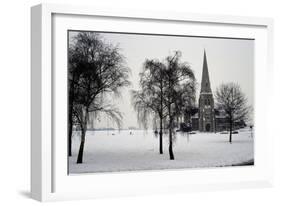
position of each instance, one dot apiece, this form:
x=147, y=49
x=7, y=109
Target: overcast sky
x=229, y=60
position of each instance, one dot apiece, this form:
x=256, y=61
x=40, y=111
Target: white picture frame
x=49, y=179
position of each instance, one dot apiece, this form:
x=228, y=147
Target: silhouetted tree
x=167, y=88
x=149, y=100
x=74, y=71
x=179, y=91
x=232, y=101
x=100, y=70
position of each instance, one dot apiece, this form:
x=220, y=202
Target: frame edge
x=38, y=36
x=36, y=109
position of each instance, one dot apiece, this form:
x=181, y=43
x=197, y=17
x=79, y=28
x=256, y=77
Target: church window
x=207, y=102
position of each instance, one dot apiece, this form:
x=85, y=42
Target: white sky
x=229, y=60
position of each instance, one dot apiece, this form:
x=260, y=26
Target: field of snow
x=112, y=151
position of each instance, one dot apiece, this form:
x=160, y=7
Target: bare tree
x=167, y=88
x=75, y=64
x=233, y=102
x=102, y=72
x=149, y=100
x=72, y=76
x=179, y=92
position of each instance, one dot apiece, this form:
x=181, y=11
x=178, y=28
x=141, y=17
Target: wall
x=15, y=101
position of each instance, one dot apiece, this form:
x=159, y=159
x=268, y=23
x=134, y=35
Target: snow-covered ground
x=112, y=151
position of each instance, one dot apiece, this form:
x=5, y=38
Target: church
x=207, y=118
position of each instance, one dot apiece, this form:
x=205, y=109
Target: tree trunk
x=70, y=116
x=81, y=149
x=161, y=137
x=171, y=153
x=161, y=119
x=70, y=125
x=83, y=134
x=230, y=130
x=170, y=136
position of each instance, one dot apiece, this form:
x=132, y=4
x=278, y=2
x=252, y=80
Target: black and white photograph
x=139, y=102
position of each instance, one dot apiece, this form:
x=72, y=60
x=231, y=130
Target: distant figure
x=113, y=134
x=155, y=133
x=251, y=128
x=131, y=132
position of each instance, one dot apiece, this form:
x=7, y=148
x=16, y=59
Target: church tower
x=206, y=102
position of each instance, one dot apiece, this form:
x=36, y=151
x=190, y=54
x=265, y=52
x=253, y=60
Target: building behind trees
x=206, y=118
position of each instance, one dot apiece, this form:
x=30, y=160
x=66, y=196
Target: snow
x=112, y=151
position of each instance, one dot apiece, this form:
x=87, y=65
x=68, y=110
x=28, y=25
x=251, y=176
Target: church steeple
x=206, y=101
x=205, y=82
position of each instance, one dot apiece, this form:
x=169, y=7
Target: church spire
x=205, y=81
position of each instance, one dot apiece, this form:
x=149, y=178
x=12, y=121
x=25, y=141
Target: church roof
x=205, y=81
